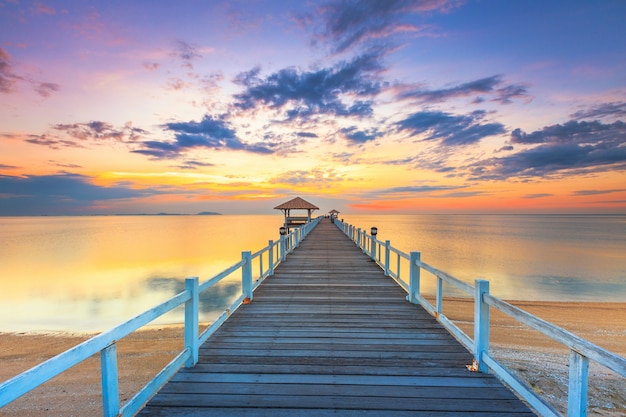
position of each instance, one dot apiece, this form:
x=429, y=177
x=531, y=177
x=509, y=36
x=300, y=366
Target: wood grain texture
x=329, y=334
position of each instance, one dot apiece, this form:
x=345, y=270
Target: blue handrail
x=581, y=350
x=105, y=343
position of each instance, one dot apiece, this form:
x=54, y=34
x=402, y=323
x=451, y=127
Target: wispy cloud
x=186, y=53
x=613, y=109
x=452, y=130
x=9, y=79
x=410, y=191
x=349, y=24
x=317, y=177
x=597, y=192
x=493, y=86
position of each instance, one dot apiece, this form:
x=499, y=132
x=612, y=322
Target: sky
x=426, y=106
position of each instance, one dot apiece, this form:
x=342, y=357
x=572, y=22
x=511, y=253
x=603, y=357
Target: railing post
x=283, y=251
x=414, y=278
x=387, y=253
x=110, y=387
x=358, y=239
x=191, y=320
x=439, y=295
x=373, y=248
x=578, y=384
x=270, y=258
x=246, y=276
x=481, y=323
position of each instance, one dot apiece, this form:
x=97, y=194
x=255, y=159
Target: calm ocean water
x=91, y=273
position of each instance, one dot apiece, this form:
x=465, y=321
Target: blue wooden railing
x=581, y=350
x=105, y=343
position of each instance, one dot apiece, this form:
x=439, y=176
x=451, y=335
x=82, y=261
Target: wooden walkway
x=329, y=334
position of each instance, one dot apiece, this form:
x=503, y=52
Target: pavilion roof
x=333, y=211
x=296, y=204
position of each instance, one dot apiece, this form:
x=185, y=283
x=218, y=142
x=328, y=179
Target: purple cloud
x=452, y=129
x=305, y=93
x=209, y=133
x=493, y=85
x=573, y=147
x=346, y=24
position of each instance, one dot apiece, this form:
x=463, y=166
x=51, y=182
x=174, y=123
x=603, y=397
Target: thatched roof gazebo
x=333, y=213
x=296, y=204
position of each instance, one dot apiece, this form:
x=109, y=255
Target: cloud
x=597, y=192
x=562, y=149
x=453, y=130
x=191, y=164
x=347, y=24
x=538, y=195
x=40, y=8
x=356, y=136
x=307, y=134
x=186, y=53
x=5, y=166
x=9, y=79
x=613, y=109
x=301, y=94
x=209, y=133
x=397, y=193
x=493, y=86
x=320, y=177
x=58, y=194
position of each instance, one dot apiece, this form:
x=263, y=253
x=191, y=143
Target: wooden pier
x=329, y=334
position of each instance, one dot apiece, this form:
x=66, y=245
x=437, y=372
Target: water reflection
x=524, y=257
x=91, y=273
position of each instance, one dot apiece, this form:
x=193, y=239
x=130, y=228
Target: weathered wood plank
x=329, y=334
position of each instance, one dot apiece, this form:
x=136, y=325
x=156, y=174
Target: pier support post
x=578, y=385
x=414, y=278
x=246, y=276
x=191, y=320
x=358, y=239
x=481, y=323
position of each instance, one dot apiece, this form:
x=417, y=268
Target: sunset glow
x=422, y=106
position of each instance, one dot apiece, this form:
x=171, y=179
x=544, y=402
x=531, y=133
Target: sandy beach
x=541, y=362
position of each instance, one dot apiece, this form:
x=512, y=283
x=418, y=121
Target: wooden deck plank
x=329, y=334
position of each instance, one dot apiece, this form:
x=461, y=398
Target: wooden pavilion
x=296, y=204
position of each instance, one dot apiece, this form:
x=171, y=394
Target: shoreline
x=541, y=362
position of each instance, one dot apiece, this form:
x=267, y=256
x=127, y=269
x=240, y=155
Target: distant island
x=202, y=213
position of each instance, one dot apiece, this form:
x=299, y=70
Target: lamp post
x=373, y=232
x=283, y=236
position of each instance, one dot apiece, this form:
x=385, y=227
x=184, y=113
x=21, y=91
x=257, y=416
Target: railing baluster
x=246, y=275
x=110, y=384
x=481, y=323
x=439, y=295
x=387, y=244
x=414, y=278
x=192, y=308
x=270, y=258
x=578, y=384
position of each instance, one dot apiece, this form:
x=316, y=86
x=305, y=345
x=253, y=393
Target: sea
x=88, y=274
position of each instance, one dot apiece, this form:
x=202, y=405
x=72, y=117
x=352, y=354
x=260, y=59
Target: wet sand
x=542, y=363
